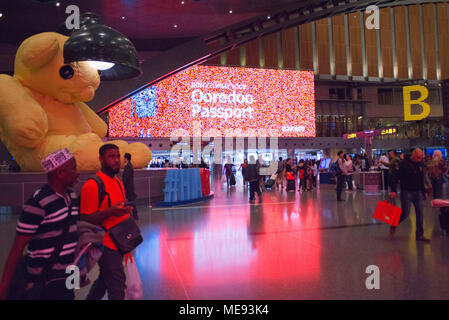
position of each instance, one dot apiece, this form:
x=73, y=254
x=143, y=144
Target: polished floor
x=289, y=246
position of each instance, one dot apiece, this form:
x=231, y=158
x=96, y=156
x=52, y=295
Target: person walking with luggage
x=280, y=174
x=48, y=227
x=412, y=183
x=253, y=178
x=128, y=183
x=108, y=213
x=229, y=173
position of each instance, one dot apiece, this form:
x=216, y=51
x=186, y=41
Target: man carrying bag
x=103, y=203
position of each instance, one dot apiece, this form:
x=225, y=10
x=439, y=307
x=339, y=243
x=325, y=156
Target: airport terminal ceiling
x=148, y=23
x=156, y=26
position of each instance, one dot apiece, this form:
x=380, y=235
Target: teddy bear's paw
x=140, y=154
x=85, y=149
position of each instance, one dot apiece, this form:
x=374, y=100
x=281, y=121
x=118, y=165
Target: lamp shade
x=94, y=41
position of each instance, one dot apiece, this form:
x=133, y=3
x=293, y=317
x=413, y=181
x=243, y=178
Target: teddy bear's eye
x=66, y=72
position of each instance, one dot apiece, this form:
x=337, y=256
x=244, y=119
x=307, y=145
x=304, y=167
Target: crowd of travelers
x=56, y=222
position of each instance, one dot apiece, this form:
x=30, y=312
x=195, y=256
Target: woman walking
x=436, y=170
x=350, y=171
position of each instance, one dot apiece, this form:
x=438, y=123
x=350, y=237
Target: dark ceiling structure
x=184, y=32
x=149, y=24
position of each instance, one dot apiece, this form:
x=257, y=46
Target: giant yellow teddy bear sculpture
x=41, y=112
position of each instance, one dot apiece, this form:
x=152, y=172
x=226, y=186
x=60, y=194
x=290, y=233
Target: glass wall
x=335, y=118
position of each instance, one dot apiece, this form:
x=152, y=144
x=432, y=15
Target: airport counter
x=369, y=181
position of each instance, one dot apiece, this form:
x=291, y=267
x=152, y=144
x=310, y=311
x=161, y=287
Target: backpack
x=335, y=169
x=102, y=191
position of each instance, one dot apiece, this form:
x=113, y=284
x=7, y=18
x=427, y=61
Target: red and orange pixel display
x=220, y=101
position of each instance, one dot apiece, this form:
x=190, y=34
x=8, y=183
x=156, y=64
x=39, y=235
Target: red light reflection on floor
x=248, y=245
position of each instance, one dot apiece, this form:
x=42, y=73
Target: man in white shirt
x=384, y=169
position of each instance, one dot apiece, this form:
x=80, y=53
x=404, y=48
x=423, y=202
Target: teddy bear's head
x=39, y=65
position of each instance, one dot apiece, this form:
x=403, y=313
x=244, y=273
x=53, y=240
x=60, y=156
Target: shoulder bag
x=126, y=235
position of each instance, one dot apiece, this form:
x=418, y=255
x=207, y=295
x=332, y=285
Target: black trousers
x=53, y=290
x=349, y=181
x=386, y=179
x=340, y=185
x=57, y=290
x=111, y=279
x=254, y=188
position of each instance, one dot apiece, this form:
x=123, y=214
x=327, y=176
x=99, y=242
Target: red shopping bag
x=290, y=176
x=387, y=213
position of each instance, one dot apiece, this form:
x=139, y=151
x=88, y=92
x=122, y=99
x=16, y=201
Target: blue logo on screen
x=144, y=103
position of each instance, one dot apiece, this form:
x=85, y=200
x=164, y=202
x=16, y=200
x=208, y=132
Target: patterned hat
x=56, y=159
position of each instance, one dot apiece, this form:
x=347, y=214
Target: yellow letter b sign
x=408, y=116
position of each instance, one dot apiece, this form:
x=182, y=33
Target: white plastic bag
x=133, y=282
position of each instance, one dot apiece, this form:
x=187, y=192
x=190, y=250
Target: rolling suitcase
x=290, y=185
x=232, y=180
x=269, y=183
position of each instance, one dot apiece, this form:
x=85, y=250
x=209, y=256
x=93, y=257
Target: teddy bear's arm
x=96, y=123
x=22, y=120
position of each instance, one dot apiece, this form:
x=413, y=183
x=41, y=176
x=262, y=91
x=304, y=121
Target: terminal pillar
x=369, y=148
x=445, y=100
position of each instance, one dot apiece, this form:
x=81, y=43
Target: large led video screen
x=220, y=101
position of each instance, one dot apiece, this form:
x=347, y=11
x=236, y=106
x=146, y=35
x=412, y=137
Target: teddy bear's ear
x=39, y=50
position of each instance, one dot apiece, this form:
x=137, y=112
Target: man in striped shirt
x=52, y=210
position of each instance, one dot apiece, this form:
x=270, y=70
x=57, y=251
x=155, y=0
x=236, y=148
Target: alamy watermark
x=373, y=280
x=73, y=20
x=373, y=20
x=202, y=147
x=73, y=280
